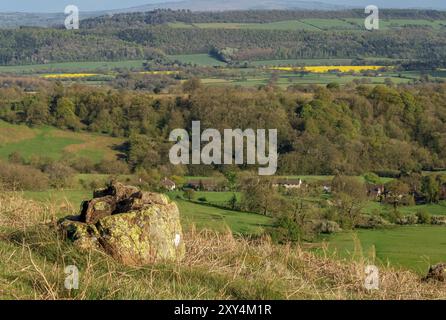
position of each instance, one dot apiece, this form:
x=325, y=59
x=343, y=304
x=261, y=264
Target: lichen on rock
x=134, y=227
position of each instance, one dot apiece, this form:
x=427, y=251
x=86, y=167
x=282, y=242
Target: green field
x=198, y=59
x=285, y=80
x=211, y=197
x=413, y=247
x=73, y=66
x=53, y=143
x=386, y=24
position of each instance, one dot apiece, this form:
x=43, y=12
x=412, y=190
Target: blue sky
x=92, y=5
x=59, y=5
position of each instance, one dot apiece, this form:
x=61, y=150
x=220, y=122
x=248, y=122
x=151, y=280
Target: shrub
x=285, y=230
x=394, y=216
x=112, y=167
x=424, y=217
x=202, y=199
x=16, y=158
x=83, y=165
x=20, y=177
x=60, y=175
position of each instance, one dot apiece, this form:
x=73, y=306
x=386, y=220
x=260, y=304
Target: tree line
x=349, y=130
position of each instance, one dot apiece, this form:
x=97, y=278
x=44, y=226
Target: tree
x=233, y=201
x=36, y=110
x=396, y=191
x=189, y=194
x=65, y=116
x=143, y=152
x=430, y=188
x=260, y=196
x=192, y=85
x=349, y=195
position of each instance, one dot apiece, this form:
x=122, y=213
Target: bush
x=60, y=175
x=83, y=165
x=20, y=177
x=16, y=158
x=202, y=199
x=112, y=167
x=424, y=217
x=394, y=216
x=285, y=230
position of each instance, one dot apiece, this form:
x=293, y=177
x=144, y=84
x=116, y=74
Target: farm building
x=288, y=183
x=168, y=184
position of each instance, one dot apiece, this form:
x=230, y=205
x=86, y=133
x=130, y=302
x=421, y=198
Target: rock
x=436, y=272
x=83, y=235
x=143, y=236
x=134, y=227
x=98, y=208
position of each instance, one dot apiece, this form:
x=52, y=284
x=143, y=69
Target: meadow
x=72, y=67
x=412, y=247
x=54, y=143
x=200, y=59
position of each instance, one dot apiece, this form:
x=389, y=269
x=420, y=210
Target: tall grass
x=33, y=256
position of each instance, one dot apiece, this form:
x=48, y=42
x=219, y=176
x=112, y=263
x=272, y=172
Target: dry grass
x=15, y=133
x=217, y=266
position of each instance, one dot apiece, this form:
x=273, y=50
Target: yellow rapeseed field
x=324, y=69
x=68, y=75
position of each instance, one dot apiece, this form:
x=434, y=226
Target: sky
x=94, y=5
x=84, y=5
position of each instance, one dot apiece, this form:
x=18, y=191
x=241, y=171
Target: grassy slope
x=217, y=266
x=414, y=247
x=52, y=143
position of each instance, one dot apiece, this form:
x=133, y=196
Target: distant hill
x=17, y=19
x=218, y=5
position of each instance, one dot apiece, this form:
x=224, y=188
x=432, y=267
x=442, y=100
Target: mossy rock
x=145, y=236
x=149, y=232
x=83, y=235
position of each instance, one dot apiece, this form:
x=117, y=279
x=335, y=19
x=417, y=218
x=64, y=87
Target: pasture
x=413, y=247
x=53, y=143
x=198, y=59
x=74, y=67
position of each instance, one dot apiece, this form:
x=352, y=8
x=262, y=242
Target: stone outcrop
x=133, y=226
